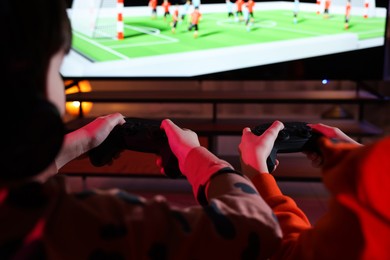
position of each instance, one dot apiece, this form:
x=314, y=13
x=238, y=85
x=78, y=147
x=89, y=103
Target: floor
x=311, y=196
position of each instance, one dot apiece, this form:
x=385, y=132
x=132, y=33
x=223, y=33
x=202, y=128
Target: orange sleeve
x=358, y=215
x=292, y=219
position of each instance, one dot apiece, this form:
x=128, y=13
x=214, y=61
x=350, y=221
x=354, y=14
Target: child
x=357, y=225
x=41, y=218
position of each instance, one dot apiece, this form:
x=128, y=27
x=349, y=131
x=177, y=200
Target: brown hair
x=34, y=31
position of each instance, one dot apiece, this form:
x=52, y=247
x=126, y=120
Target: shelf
x=169, y=96
x=292, y=167
x=207, y=127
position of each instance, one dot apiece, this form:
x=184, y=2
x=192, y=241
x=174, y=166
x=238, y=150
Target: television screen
x=266, y=40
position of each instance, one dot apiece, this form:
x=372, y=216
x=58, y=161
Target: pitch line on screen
x=141, y=44
x=230, y=23
x=267, y=24
x=297, y=31
x=110, y=50
x=151, y=31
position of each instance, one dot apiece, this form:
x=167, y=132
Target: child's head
x=35, y=31
x=37, y=34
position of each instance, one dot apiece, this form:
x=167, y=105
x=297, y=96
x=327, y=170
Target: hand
x=82, y=140
x=329, y=132
x=254, y=150
x=98, y=130
x=181, y=141
x=332, y=132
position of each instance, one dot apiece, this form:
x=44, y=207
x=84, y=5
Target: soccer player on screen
x=239, y=14
x=195, y=17
x=250, y=5
x=247, y=17
x=296, y=11
x=175, y=19
x=184, y=10
x=347, y=14
x=326, y=10
x=229, y=6
x=153, y=6
x=165, y=5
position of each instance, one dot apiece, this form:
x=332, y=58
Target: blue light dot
x=324, y=81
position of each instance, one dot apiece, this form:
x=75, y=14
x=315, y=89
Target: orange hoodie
x=357, y=224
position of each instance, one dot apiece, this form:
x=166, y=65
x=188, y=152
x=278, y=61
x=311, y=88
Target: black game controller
x=137, y=134
x=295, y=137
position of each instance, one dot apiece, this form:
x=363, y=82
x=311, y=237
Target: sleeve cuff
x=200, y=165
x=201, y=196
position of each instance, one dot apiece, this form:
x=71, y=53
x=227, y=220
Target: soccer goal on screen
x=98, y=18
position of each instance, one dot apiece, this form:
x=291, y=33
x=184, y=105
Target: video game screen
x=236, y=39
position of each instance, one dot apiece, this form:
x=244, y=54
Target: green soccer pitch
x=145, y=37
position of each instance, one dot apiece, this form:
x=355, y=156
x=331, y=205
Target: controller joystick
x=295, y=137
x=137, y=134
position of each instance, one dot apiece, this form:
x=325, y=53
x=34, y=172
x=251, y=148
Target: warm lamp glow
x=73, y=107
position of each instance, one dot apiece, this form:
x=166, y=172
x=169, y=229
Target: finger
x=326, y=130
x=274, y=129
x=278, y=125
x=159, y=164
x=159, y=161
x=169, y=127
x=246, y=130
x=165, y=123
x=276, y=164
x=168, y=123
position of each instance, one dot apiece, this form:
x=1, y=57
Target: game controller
x=137, y=134
x=295, y=137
